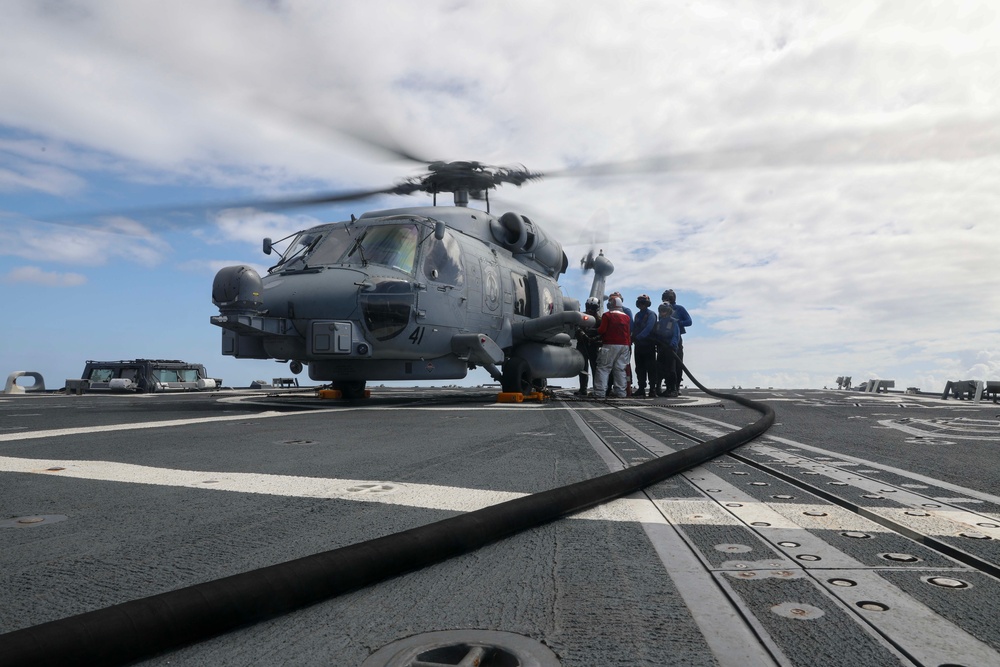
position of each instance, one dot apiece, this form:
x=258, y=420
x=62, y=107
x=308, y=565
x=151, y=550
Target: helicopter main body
x=408, y=294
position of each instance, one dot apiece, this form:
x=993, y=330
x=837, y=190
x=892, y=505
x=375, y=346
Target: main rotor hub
x=464, y=178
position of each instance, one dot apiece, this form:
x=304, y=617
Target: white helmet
x=614, y=303
x=593, y=302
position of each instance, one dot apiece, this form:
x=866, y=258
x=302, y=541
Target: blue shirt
x=642, y=325
x=682, y=317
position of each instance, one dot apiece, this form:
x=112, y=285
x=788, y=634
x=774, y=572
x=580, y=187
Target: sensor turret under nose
x=238, y=288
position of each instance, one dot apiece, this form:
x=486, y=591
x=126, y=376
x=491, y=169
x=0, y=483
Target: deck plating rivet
x=988, y=525
x=856, y=534
x=55, y=469
x=739, y=472
x=814, y=513
x=713, y=490
x=809, y=557
x=810, y=473
x=759, y=484
x=788, y=544
x=843, y=582
x=837, y=483
x=27, y=520
x=917, y=513
x=759, y=523
x=930, y=505
x=783, y=496
x=873, y=606
x=797, y=610
x=973, y=535
x=734, y=504
x=873, y=496
x=946, y=582
x=902, y=558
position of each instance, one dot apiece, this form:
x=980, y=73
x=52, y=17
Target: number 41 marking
x=417, y=336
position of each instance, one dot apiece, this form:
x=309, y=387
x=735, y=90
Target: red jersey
x=615, y=328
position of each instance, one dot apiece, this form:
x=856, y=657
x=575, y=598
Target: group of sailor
x=658, y=341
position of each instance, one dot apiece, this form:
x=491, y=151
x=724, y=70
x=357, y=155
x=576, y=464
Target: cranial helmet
x=593, y=303
x=669, y=296
x=643, y=300
x=615, y=303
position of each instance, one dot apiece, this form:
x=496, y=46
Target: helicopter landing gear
x=351, y=390
x=516, y=376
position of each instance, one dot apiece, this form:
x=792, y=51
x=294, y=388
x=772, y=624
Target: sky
x=816, y=180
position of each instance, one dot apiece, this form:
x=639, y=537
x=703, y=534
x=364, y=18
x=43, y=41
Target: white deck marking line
x=429, y=496
x=940, y=434
x=108, y=428
x=426, y=496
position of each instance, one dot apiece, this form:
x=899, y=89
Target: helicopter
x=418, y=293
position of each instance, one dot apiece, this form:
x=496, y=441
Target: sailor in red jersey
x=615, y=332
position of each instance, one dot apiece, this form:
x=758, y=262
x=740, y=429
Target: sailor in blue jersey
x=645, y=346
x=666, y=333
x=680, y=314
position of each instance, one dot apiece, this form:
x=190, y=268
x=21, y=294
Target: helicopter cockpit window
x=387, y=308
x=443, y=261
x=332, y=247
x=386, y=245
x=293, y=256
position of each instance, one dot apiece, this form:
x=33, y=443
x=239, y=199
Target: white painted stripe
x=108, y=428
x=427, y=496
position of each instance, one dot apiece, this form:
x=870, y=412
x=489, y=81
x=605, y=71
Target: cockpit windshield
x=386, y=245
x=292, y=257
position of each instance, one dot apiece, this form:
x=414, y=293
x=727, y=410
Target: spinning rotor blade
x=277, y=204
x=955, y=141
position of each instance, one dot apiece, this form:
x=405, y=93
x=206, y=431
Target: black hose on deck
x=142, y=628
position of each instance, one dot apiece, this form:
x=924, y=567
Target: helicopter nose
x=238, y=288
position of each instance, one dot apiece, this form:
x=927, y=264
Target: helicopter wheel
x=516, y=376
x=352, y=390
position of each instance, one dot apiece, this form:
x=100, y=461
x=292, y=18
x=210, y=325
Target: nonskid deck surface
x=860, y=530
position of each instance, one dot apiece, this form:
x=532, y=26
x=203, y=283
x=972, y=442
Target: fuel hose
x=139, y=629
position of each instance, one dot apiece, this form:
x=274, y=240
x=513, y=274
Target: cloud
x=35, y=275
x=112, y=239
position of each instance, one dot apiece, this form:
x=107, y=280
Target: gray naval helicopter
x=421, y=293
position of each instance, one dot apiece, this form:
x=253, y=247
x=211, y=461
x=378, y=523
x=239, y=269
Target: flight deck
x=860, y=529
